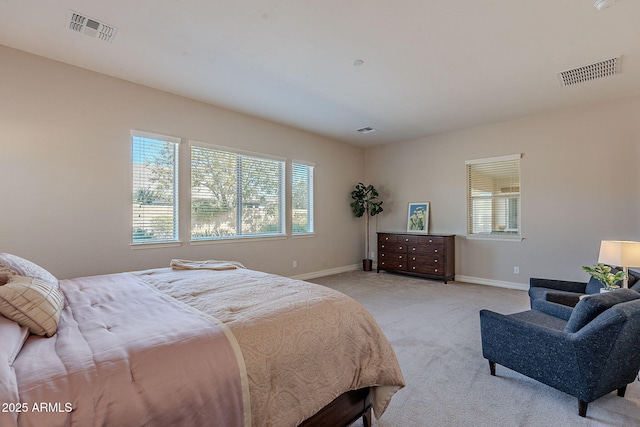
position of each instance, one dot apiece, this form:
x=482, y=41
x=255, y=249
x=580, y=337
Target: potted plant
x=605, y=276
x=365, y=202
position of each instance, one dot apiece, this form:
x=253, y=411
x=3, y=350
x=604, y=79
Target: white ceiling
x=429, y=66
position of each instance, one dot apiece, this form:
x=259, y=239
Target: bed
x=196, y=343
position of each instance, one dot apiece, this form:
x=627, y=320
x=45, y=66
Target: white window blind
x=493, y=197
x=301, y=198
x=235, y=194
x=154, y=201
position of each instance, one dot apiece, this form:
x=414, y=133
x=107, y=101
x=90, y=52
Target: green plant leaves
x=365, y=200
x=604, y=275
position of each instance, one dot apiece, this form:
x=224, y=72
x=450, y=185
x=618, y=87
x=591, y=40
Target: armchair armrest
x=560, y=285
x=560, y=310
x=570, y=300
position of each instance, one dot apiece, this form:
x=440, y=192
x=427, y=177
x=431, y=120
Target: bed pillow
x=12, y=265
x=33, y=303
x=12, y=337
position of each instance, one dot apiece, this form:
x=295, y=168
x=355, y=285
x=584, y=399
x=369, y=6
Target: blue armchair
x=568, y=293
x=587, y=355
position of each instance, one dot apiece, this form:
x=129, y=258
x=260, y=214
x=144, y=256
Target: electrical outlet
x=295, y=264
x=516, y=270
x=371, y=255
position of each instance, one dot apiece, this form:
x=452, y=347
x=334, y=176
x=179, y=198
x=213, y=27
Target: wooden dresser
x=424, y=255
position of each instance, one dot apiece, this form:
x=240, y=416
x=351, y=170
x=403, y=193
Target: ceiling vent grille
x=597, y=70
x=367, y=129
x=83, y=24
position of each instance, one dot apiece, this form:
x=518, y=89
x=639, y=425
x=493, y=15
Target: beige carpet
x=435, y=331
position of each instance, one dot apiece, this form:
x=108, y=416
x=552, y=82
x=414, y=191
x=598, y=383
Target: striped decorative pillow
x=33, y=303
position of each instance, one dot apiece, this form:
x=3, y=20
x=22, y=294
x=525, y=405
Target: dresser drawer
x=426, y=269
x=429, y=240
x=432, y=249
x=392, y=264
x=407, y=239
x=392, y=247
x=426, y=259
x=393, y=256
x=387, y=238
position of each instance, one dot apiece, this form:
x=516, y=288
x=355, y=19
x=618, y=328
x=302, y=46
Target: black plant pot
x=367, y=264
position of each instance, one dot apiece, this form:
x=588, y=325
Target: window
x=234, y=194
x=301, y=198
x=154, y=201
x=493, y=197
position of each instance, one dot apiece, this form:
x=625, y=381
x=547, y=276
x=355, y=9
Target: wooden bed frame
x=344, y=410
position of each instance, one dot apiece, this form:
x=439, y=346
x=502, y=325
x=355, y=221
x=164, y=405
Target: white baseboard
x=329, y=272
x=458, y=278
x=489, y=282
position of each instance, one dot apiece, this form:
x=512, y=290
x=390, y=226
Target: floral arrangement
x=604, y=275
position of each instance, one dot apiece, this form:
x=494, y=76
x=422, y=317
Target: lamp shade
x=620, y=253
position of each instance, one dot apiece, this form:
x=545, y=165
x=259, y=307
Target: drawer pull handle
x=413, y=249
x=381, y=254
x=436, y=270
x=430, y=241
x=400, y=265
x=435, y=260
x=386, y=238
x=436, y=251
x=400, y=248
x=414, y=268
x=414, y=258
x=406, y=240
x=382, y=246
x=400, y=257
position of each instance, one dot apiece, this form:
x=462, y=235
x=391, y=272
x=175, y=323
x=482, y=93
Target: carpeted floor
x=435, y=331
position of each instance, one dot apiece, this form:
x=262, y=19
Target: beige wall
x=66, y=179
x=66, y=173
x=580, y=181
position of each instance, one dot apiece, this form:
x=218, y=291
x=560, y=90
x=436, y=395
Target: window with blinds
x=493, y=197
x=301, y=198
x=235, y=194
x=154, y=201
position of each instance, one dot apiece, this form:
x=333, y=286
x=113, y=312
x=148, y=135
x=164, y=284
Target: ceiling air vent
x=605, y=68
x=367, y=129
x=85, y=25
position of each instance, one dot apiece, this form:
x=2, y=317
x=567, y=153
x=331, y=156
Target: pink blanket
x=126, y=355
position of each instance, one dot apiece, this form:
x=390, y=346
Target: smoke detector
x=603, y=4
x=81, y=23
x=597, y=70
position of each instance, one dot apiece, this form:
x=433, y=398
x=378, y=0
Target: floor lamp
x=620, y=253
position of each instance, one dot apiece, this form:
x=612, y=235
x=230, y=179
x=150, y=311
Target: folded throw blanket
x=184, y=264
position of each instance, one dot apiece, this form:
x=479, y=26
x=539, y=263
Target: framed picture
x=418, y=217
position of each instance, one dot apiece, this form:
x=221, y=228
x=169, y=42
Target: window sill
x=302, y=235
x=495, y=238
x=236, y=239
x=155, y=245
